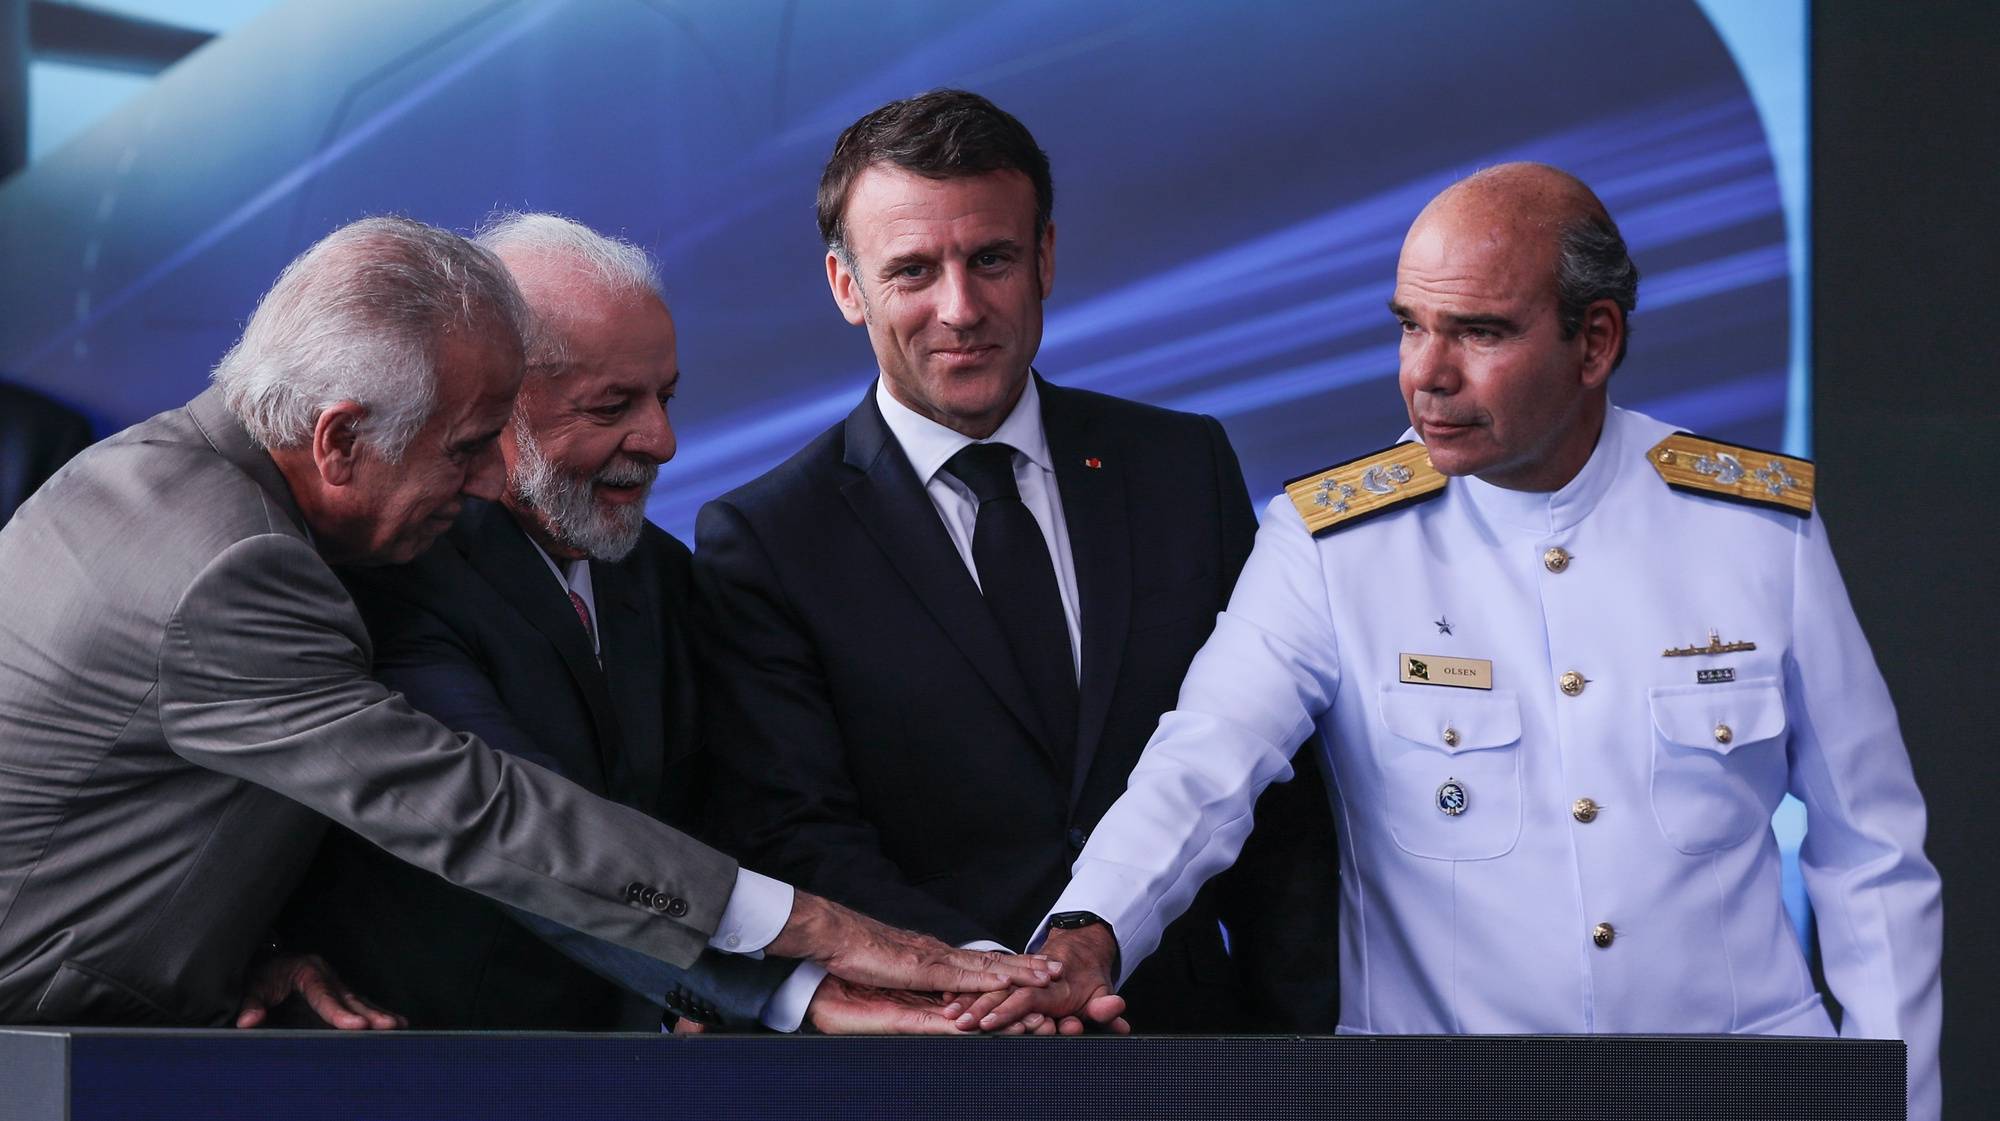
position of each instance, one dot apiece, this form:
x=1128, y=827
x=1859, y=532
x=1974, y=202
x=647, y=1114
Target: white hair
x=361, y=317
x=580, y=255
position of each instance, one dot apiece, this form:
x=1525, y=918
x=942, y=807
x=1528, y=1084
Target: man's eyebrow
x=1500, y=321
x=1452, y=319
x=903, y=260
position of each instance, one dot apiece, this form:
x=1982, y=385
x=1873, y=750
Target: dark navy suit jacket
x=478, y=633
x=875, y=742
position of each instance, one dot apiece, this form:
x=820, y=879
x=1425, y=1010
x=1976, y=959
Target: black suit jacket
x=37, y=436
x=478, y=633
x=875, y=742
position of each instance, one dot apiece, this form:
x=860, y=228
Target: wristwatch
x=1077, y=920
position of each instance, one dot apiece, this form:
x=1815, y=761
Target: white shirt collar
x=928, y=444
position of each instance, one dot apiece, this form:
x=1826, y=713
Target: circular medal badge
x=1451, y=798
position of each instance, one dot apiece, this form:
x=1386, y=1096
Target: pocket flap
x=1719, y=718
x=1476, y=719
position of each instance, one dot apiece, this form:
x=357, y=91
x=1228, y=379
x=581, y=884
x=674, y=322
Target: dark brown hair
x=943, y=134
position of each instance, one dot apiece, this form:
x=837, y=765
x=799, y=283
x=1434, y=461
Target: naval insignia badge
x=1360, y=488
x=1715, y=646
x=1699, y=465
x=1451, y=798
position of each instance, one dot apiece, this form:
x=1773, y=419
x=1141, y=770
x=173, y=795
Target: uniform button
x=1584, y=810
x=1555, y=560
x=1450, y=736
x=658, y=904
x=1723, y=734
x=1602, y=935
x=1571, y=683
x=677, y=908
x=1078, y=837
x=732, y=942
x=632, y=891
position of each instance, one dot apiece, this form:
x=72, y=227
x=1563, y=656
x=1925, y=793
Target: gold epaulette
x=1361, y=488
x=1700, y=465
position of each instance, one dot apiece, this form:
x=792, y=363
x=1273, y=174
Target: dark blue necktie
x=1019, y=582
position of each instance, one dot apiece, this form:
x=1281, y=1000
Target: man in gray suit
x=185, y=695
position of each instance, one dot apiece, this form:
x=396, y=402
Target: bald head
x=1547, y=218
x=1511, y=290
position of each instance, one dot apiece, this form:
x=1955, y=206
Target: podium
x=105, y=1074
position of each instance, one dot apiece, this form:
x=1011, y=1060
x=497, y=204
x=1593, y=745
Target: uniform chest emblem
x=1451, y=798
x=1715, y=646
x=1438, y=669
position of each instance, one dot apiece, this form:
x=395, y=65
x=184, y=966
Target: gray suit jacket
x=185, y=699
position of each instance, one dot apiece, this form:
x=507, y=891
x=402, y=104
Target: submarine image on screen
x=1231, y=192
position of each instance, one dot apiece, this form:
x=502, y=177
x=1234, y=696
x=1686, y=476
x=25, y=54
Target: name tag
x=1437, y=669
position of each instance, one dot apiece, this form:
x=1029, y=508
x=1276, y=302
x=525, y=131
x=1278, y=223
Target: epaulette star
x=1699, y=465
x=1361, y=488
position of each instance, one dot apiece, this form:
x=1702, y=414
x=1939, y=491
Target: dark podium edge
x=1153, y=1076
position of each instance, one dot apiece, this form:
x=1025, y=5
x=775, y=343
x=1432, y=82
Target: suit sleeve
x=1280, y=901
x=1875, y=896
x=424, y=658
x=783, y=795
x=263, y=675
x=1250, y=699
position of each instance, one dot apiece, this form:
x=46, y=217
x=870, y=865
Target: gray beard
x=569, y=510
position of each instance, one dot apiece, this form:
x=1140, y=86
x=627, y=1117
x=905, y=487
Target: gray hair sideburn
x=361, y=316
x=1592, y=264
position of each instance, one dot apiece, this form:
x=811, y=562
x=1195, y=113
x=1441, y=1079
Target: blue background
x=1232, y=184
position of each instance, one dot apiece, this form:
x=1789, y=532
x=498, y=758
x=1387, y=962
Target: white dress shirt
x=928, y=445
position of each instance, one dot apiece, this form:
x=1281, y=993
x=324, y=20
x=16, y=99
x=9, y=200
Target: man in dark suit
x=552, y=623
x=982, y=581
x=184, y=684
x=37, y=436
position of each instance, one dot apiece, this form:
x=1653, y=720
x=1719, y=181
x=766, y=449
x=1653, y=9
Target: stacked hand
x=1081, y=997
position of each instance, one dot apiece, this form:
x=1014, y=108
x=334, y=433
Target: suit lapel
x=636, y=672
x=893, y=507
x=501, y=553
x=1096, y=512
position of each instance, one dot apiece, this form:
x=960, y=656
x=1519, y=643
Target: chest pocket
x=1451, y=749
x=1718, y=761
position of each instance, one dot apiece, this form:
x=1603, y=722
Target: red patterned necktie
x=583, y=616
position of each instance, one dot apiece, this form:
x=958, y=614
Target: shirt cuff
x=757, y=912
x=786, y=1009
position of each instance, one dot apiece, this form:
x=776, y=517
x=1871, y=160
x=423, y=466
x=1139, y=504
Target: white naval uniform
x=1483, y=921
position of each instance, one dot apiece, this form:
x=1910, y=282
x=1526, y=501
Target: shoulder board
x=1361, y=488
x=1699, y=465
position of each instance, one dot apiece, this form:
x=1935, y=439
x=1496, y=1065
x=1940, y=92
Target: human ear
x=846, y=288
x=1601, y=335
x=336, y=441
